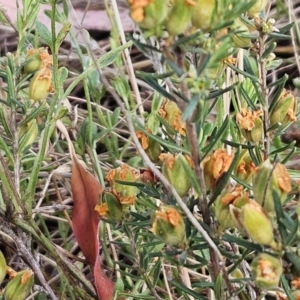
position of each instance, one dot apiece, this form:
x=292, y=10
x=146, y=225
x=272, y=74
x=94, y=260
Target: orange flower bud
x=172, y=114
x=148, y=14
x=33, y=61
x=37, y=59
x=214, y=166
x=251, y=124
x=168, y=225
x=266, y=271
x=110, y=208
x=126, y=194
x=235, y=196
x=245, y=167
x=151, y=147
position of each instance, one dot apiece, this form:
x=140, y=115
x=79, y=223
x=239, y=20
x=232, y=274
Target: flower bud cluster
x=39, y=62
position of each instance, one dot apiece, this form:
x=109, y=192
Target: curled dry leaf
x=86, y=190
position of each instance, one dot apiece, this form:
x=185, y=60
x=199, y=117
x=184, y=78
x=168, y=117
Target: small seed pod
x=204, y=14
x=172, y=114
x=110, y=208
x=250, y=124
x=33, y=61
x=174, y=170
x=2, y=267
x=239, y=38
x=267, y=179
x=254, y=218
x=19, y=287
x=125, y=193
x=259, y=5
x=284, y=110
x=40, y=85
x=179, y=17
x=168, y=225
x=266, y=271
x=215, y=165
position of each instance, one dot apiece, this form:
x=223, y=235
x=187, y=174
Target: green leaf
x=218, y=287
x=280, y=216
x=242, y=242
x=286, y=288
x=237, y=145
x=215, y=138
x=157, y=87
x=269, y=50
x=279, y=36
x=33, y=113
x=279, y=84
x=44, y=33
x=220, y=92
x=183, y=288
x=252, y=77
x=102, y=62
x=156, y=271
x=109, y=57
x=5, y=148
x=191, y=107
x=62, y=34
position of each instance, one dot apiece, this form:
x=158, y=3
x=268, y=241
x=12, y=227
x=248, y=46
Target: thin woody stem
x=216, y=260
x=264, y=91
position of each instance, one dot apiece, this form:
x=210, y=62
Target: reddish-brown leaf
x=86, y=190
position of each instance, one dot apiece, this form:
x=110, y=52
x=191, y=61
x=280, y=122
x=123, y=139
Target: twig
x=264, y=90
